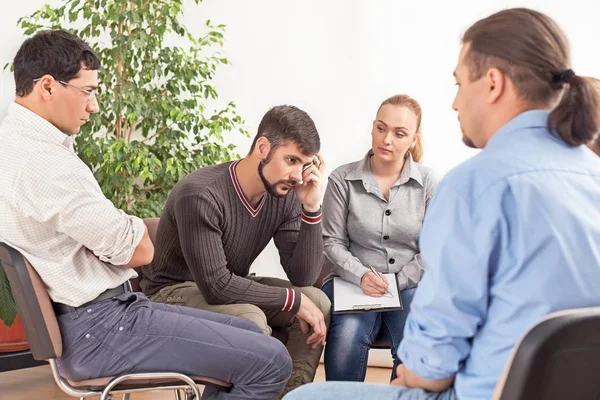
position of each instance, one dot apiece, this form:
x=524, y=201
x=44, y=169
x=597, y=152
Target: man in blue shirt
x=512, y=234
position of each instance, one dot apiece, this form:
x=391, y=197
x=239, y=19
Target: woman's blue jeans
x=350, y=337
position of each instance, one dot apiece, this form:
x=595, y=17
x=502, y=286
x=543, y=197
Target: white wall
x=338, y=59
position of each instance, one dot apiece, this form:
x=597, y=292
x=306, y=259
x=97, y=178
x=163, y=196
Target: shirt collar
x=362, y=171
x=38, y=127
x=238, y=189
x=527, y=119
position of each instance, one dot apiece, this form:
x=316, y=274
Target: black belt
x=60, y=308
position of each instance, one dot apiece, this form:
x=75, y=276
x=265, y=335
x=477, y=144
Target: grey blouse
x=362, y=228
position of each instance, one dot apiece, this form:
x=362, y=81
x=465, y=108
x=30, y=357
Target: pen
x=380, y=277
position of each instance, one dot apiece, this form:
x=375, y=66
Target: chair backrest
x=558, y=358
x=33, y=304
x=152, y=225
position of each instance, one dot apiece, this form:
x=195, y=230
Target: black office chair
x=558, y=359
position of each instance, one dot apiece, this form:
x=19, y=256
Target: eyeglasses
x=89, y=93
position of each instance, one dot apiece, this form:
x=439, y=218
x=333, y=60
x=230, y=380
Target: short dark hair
x=531, y=49
x=57, y=53
x=282, y=124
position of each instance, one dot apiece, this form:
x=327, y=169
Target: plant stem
x=121, y=78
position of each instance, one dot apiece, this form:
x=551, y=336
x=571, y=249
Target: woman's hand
x=374, y=286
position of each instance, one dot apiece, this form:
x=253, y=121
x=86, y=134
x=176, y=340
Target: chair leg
x=178, y=395
x=125, y=396
x=190, y=395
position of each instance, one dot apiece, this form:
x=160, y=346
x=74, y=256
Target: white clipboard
x=349, y=298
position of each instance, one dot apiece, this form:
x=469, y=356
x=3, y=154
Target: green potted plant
x=155, y=123
x=12, y=334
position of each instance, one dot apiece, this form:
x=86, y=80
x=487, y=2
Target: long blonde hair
x=413, y=105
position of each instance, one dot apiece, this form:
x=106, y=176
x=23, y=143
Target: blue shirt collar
x=527, y=119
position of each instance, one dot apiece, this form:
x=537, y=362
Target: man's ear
x=44, y=86
x=262, y=148
x=496, y=81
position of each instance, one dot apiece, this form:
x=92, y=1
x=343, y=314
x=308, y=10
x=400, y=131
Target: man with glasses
x=53, y=211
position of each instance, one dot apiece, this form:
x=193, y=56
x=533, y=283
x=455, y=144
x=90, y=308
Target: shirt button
x=87, y=336
x=169, y=298
x=387, y=212
x=120, y=328
x=392, y=261
x=89, y=310
x=386, y=237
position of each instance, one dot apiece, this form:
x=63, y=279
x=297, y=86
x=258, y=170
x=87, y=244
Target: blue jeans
x=130, y=334
x=364, y=391
x=350, y=337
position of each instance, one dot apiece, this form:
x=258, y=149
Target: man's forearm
x=305, y=265
x=232, y=289
x=412, y=380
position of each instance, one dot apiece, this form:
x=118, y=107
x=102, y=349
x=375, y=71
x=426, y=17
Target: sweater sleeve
x=299, y=240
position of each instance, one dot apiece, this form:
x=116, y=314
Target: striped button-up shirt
x=53, y=211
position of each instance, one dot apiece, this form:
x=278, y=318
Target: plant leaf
x=8, y=309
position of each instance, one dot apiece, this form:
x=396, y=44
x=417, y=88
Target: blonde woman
x=372, y=215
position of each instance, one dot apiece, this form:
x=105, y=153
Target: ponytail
x=576, y=118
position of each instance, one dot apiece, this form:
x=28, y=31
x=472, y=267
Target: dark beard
x=270, y=187
x=468, y=142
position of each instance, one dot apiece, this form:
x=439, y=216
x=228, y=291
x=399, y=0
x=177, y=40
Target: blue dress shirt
x=510, y=236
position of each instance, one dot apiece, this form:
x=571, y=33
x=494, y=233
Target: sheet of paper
x=349, y=297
